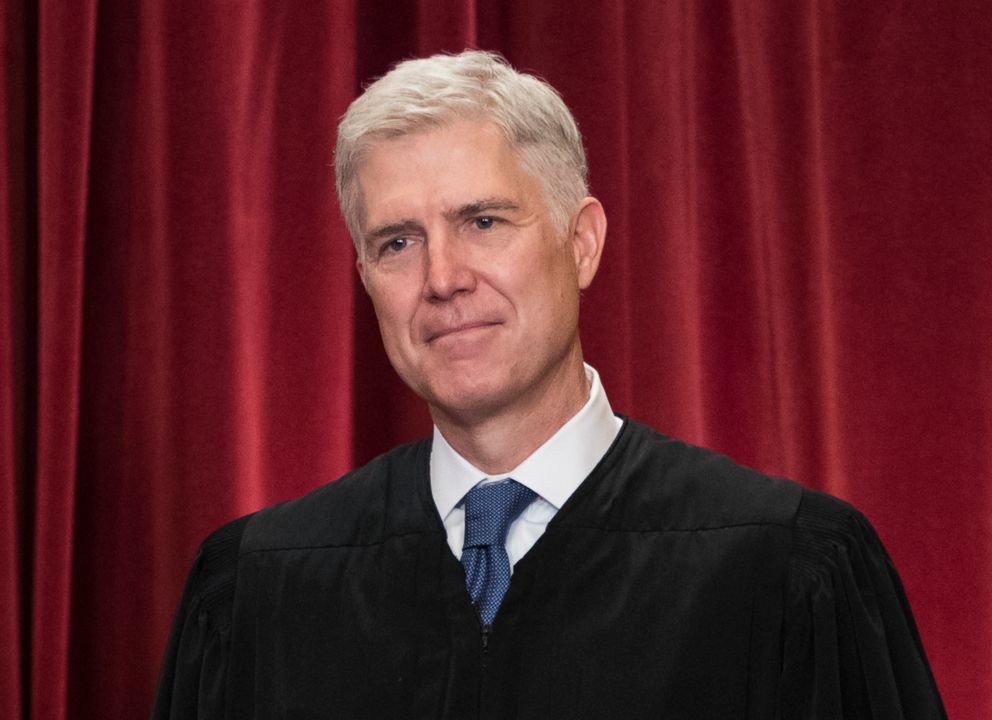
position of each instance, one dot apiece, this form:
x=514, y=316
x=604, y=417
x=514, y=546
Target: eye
x=484, y=222
x=395, y=245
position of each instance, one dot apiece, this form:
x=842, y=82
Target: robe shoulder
x=368, y=505
x=365, y=506
x=650, y=482
x=851, y=647
x=200, y=630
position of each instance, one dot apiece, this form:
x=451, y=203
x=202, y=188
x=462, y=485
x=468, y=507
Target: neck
x=498, y=442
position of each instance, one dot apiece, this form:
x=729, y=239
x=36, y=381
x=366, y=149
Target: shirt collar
x=553, y=471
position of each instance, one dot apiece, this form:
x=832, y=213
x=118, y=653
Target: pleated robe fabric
x=673, y=583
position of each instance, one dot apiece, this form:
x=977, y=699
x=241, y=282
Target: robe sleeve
x=192, y=683
x=850, y=645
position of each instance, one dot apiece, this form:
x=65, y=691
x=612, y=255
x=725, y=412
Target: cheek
x=561, y=284
x=392, y=315
x=552, y=306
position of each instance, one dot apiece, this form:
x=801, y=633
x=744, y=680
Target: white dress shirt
x=553, y=471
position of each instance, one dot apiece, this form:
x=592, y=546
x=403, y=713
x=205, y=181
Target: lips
x=436, y=333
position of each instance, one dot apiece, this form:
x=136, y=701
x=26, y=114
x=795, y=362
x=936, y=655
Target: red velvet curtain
x=798, y=273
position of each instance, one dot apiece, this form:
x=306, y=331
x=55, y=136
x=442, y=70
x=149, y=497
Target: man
x=538, y=557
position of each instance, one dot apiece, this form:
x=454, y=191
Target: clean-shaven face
x=476, y=294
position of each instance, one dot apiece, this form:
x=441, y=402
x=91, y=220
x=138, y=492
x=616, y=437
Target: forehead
x=441, y=169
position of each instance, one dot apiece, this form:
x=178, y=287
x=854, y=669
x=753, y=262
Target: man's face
x=476, y=294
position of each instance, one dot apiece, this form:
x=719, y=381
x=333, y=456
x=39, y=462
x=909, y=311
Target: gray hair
x=431, y=93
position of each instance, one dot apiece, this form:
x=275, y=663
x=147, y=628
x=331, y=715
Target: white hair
x=431, y=93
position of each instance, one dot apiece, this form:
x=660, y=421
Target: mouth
x=456, y=330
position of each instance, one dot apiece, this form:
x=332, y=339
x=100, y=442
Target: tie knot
x=489, y=510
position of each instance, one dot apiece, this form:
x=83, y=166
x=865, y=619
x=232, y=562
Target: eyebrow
x=480, y=206
x=403, y=227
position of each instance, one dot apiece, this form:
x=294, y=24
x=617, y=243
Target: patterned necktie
x=489, y=510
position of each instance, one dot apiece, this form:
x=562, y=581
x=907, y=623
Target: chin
x=469, y=399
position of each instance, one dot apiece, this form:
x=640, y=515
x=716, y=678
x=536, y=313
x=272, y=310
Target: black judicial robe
x=672, y=584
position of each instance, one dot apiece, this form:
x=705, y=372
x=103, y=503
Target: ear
x=588, y=238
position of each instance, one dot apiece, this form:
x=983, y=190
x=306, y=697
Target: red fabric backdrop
x=798, y=273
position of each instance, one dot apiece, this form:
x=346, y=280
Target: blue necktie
x=489, y=510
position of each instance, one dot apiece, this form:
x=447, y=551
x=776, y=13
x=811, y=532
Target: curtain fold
x=798, y=273
x=65, y=58
x=15, y=465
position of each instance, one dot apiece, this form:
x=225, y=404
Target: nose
x=448, y=269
